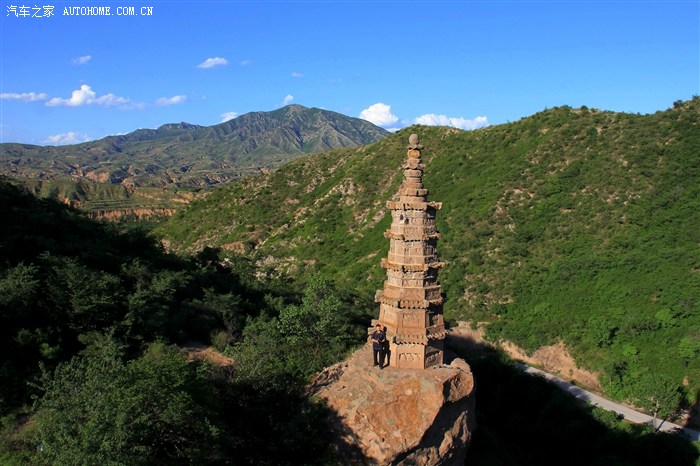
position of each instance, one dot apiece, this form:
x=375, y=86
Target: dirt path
x=196, y=350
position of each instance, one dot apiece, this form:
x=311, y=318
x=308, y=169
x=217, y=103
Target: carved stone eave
x=400, y=205
x=420, y=339
x=415, y=192
x=403, y=237
x=409, y=303
x=413, y=164
x=410, y=267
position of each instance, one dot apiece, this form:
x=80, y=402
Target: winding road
x=597, y=400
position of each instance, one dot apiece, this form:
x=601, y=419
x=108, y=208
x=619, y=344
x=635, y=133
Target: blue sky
x=67, y=79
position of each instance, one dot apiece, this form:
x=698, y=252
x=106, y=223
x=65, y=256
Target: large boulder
x=398, y=416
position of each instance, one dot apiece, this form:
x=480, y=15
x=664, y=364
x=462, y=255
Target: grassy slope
x=572, y=223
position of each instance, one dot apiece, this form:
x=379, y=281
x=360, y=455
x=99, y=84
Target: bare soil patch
x=199, y=351
x=554, y=359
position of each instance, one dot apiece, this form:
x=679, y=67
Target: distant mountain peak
x=181, y=125
x=187, y=154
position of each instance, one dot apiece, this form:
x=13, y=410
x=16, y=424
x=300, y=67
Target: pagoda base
x=416, y=356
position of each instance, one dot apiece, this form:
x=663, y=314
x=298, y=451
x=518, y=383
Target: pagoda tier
x=410, y=305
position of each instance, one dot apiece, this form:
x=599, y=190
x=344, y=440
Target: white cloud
x=296, y=74
x=24, y=97
x=174, y=100
x=212, y=62
x=228, y=116
x=81, y=60
x=86, y=96
x=379, y=114
x=431, y=119
x=288, y=99
x=83, y=96
x=245, y=62
x=71, y=137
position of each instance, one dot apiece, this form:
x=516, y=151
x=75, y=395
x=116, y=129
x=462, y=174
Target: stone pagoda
x=410, y=306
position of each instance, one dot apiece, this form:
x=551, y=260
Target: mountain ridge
x=183, y=154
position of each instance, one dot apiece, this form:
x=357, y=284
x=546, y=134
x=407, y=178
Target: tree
x=96, y=409
x=689, y=347
x=278, y=351
x=19, y=292
x=659, y=394
x=318, y=331
x=600, y=332
x=87, y=299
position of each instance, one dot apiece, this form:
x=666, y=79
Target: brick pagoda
x=410, y=306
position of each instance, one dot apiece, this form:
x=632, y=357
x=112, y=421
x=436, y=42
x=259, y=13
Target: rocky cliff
x=399, y=416
x=145, y=213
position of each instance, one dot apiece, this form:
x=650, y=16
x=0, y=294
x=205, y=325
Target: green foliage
x=321, y=322
x=259, y=355
x=600, y=333
x=96, y=409
x=19, y=287
x=64, y=278
x=689, y=347
x=659, y=394
x=96, y=307
x=278, y=352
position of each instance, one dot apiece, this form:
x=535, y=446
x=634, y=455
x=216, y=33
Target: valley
x=577, y=225
x=571, y=232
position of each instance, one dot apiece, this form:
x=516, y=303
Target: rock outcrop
x=142, y=213
x=399, y=416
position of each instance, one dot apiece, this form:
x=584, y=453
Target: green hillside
x=573, y=224
x=94, y=317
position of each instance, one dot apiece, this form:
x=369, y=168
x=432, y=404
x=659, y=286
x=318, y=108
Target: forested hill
x=573, y=224
x=93, y=317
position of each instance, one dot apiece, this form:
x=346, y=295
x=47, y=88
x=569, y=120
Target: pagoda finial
x=413, y=142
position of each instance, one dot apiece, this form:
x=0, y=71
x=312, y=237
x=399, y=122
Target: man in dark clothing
x=378, y=342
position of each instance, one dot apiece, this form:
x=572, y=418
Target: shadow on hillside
x=694, y=414
x=524, y=420
x=283, y=427
x=345, y=443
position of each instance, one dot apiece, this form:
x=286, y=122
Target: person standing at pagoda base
x=379, y=345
